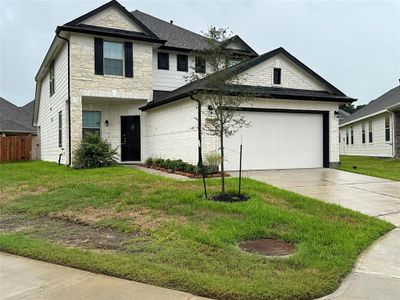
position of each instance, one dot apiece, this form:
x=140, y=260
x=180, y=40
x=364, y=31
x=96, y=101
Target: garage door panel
x=277, y=141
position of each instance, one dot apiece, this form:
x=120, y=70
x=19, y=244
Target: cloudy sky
x=355, y=45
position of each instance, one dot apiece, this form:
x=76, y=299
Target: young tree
x=221, y=90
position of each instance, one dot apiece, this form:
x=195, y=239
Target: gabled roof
x=77, y=21
x=237, y=39
x=388, y=100
x=16, y=119
x=269, y=92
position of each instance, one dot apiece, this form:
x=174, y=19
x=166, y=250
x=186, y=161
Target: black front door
x=130, y=138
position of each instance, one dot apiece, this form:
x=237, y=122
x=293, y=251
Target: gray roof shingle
x=16, y=119
x=176, y=37
x=390, y=98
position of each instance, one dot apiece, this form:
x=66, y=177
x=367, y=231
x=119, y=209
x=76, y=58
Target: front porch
x=117, y=120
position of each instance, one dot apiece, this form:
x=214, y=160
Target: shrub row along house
x=124, y=75
x=374, y=130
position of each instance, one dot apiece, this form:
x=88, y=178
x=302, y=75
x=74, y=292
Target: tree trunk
x=222, y=161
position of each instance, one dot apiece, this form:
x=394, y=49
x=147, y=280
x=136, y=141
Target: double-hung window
x=60, y=129
x=182, y=62
x=347, y=136
x=370, y=137
x=91, y=122
x=387, y=128
x=200, y=65
x=363, y=133
x=163, y=61
x=113, y=58
x=52, y=80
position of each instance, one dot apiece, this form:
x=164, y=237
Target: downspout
x=69, y=98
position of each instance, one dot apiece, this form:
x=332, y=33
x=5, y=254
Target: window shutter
x=128, y=59
x=98, y=56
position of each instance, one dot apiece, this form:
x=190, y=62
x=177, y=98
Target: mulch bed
x=230, y=197
x=191, y=175
x=270, y=247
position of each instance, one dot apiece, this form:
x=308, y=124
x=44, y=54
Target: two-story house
x=124, y=75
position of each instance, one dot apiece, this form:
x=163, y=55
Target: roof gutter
x=363, y=118
x=69, y=97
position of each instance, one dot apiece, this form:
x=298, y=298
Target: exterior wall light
x=107, y=123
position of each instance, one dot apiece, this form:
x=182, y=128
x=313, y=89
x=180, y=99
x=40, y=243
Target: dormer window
x=163, y=60
x=277, y=76
x=52, y=80
x=182, y=62
x=113, y=58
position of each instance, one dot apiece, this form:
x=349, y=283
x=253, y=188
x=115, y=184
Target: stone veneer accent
x=112, y=18
x=84, y=83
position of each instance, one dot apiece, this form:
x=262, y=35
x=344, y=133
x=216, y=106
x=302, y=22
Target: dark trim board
x=325, y=125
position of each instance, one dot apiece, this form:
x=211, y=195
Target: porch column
x=76, y=123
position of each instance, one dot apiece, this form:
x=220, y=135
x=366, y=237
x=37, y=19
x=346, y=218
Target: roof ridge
x=167, y=22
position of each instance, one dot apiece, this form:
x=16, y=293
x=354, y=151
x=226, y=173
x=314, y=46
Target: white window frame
x=104, y=58
x=95, y=128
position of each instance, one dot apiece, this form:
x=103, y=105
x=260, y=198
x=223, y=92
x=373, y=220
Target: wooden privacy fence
x=14, y=148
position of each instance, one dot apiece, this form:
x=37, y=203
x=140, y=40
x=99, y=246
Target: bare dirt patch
x=72, y=234
x=270, y=247
x=141, y=218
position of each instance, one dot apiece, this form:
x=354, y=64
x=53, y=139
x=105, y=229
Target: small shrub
x=175, y=165
x=213, y=160
x=94, y=152
x=149, y=161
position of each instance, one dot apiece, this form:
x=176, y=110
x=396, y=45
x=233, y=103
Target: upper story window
x=200, y=65
x=163, y=61
x=91, y=122
x=52, y=80
x=277, y=76
x=370, y=132
x=387, y=128
x=363, y=133
x=182, y=62
x=113, y=58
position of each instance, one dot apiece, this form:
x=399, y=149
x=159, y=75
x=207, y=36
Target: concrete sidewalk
x=24, y=278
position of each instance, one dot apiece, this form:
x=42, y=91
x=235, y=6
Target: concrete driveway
x=377, y=272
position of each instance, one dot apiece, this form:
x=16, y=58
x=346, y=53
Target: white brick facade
x=292, y=75
x=168, y=131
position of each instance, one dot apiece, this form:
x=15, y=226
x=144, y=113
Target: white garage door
x=277, y=140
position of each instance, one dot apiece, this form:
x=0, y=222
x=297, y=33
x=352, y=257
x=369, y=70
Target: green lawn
x=165, y=234
x=388, y=168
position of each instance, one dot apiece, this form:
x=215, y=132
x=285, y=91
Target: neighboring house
x=127, y=81
x=16, y=120
x=342, y=115
x=373, y=130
